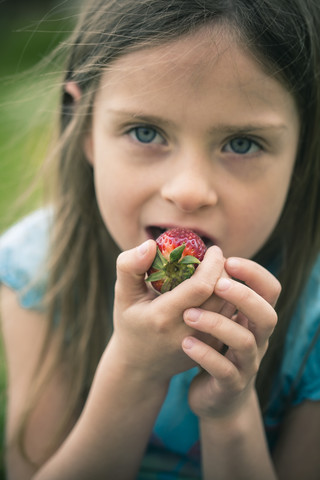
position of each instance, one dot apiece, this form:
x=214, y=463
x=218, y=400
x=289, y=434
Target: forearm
x=236, y=447
x=111, y=435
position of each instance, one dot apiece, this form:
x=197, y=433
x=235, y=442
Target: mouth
x=154, y=232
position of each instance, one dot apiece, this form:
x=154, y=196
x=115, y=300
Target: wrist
x=235, y=445
x=121, y=368
x=234, y=420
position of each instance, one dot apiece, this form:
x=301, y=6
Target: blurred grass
x=26, y=109
x=24, y=133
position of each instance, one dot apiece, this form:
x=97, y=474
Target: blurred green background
x=29, y=30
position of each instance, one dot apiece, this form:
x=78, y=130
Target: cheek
x=254, y=219
x=120, y=199
x=109, y=193
x=113, y=197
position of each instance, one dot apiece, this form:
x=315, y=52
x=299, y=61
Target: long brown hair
x=285, y=38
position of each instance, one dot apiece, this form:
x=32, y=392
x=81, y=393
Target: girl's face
x=193, y=133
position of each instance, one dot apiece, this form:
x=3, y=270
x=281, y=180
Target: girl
x=198, y=114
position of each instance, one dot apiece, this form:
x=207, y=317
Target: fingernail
x=188, y=342
x=223, y=284
x=143, y=248
x=193, y=314
x=233, y=262
x=218, y=249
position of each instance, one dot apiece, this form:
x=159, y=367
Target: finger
x=131, y=267
x=217, y=365
x=239, y=339
x=217, y=304
x=256, y=277
x=261, y=316
x=197, y=289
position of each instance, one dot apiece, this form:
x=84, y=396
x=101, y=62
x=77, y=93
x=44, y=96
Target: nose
x=190, y=185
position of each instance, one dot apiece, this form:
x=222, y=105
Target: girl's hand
x=228, y=380
x=149, y=328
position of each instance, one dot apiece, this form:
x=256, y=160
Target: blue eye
x=242, y=146
x=145, y=134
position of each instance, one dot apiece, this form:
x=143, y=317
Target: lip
x=153, y=231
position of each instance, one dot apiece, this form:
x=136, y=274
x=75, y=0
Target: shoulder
x=23, y=253
x=310, y=297
x=301, y=363
x=306, y=318
x=297, y=380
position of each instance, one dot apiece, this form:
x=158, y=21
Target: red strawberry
x=179, y=252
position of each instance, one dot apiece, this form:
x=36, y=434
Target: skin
x=189, y=94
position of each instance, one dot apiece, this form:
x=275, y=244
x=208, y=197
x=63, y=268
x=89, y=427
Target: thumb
x=131, y=268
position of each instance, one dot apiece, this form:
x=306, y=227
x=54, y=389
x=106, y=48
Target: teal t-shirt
x=174, y=447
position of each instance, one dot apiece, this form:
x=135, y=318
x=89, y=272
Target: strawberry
x=179, y=251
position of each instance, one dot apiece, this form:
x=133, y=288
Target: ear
x=73, y=90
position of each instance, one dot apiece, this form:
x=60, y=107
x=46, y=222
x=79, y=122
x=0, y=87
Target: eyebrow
x=221, y=128
x=139, y=116
x=229, y=129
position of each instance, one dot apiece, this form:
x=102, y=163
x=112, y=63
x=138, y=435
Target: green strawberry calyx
x=172, y=271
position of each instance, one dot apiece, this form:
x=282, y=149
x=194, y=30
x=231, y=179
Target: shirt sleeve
x=23, y=253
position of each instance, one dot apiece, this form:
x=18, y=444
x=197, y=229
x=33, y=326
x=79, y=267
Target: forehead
x=184, y=56
x=185, y=52
x=212, y=60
